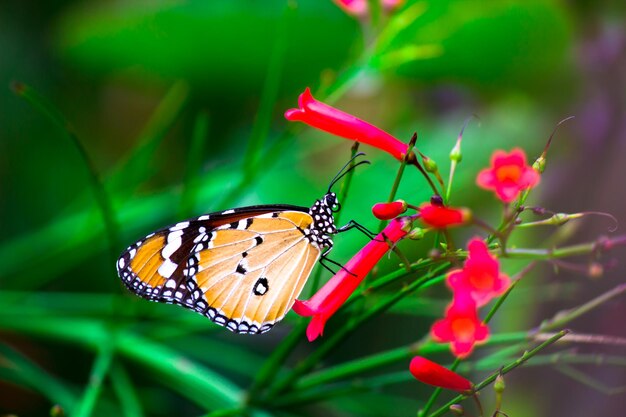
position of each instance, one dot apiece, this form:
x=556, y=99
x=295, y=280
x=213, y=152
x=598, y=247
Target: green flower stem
x=564, y=317
x=490, y=314
x=100, y=193
x=125, y=391
x=368, y=363
x=94, y=386
x=564, y=252
x=324, y=393
x=508, y=368
x=399, y=174
x=346, y=330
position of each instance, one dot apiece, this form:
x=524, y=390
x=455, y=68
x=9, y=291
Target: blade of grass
x=125, y=391
x=269, y=95
x=194, y=162
x=99, y=371
x=194, y=381
x=133, y=169
x=103, y=199
x=19, y=369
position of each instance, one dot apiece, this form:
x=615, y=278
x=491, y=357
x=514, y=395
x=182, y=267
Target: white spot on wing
x=204, y=217
x=173, y=243
x=120, y=263
x=228, y=212
x=167, y=269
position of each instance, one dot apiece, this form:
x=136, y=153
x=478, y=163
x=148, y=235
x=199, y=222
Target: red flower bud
x=388, y=211
x=441, y=217
x=434, y=374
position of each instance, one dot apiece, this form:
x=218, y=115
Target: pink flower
x=338, y=289
x=387, y=211
x=509, y=175
x=434, y=374
x=480, y=276
x=440, y=217
x=336, y=122
x=461, y=326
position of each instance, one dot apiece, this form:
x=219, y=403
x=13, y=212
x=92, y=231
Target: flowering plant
x=475, y=284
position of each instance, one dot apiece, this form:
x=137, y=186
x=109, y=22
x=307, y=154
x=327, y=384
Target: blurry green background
x=178, y=105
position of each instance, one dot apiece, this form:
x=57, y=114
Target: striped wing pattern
x=242, y=268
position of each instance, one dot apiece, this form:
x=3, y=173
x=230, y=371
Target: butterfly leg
x=354, y=225
x=324, y=258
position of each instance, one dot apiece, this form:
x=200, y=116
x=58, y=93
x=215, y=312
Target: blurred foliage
x=178, y=107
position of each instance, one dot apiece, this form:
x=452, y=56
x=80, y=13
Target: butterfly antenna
x=343, y=171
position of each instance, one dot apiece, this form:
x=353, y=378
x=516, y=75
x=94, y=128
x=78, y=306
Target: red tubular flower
x=387, y=211
x=440, y=217
x=480, y=276
x=432, y=373
x=461, y=326
x=336, y=122
x=338, y=289
x=509, y=175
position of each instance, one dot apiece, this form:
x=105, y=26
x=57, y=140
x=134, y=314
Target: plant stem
x=508, y=368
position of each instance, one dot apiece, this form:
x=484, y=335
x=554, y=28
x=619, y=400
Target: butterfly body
x=242, y=268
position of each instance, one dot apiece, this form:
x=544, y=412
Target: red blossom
x=509, y=175
x=387, y=211
x=440, y=217
x=461, y=326
x=480, y=276
x=432, y=373
x=327, y=118
x=338, y=289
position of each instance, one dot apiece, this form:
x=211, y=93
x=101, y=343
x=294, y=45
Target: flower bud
x=416, y=233
x=429, y=164
x=434, y=374
x=388, y=211
x=499, y=385
x=57, y=411
x=455, y=153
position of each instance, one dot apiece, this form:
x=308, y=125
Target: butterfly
x=242, y=268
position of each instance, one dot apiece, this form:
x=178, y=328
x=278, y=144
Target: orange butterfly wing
x=250, y=278
x=241, y=268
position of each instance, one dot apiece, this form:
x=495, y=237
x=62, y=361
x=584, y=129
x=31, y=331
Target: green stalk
x=508, y=368
x=345, y=331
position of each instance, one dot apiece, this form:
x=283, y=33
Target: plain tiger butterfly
x=242, y=268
